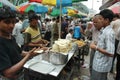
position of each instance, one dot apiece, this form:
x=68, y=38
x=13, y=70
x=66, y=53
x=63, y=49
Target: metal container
x=46, y=57
x=58, y=58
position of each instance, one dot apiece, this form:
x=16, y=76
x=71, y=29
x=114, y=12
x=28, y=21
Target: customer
x=95, y=30
x=11, y=60
x=102, y=61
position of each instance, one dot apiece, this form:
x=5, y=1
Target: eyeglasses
x=8, y=21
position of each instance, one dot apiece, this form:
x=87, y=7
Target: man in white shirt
x=17, y=32
x=69, y=36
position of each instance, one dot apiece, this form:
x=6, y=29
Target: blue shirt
x=77, y=33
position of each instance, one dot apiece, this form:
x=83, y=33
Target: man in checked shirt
x=102, y=61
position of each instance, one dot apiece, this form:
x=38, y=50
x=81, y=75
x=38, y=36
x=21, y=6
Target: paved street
x=84, y=71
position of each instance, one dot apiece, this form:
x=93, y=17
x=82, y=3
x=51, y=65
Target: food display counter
x=39, y=69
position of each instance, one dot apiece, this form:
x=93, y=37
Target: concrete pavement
x=84, y=74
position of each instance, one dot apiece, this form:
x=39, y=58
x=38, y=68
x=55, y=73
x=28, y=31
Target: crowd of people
x=19, y=38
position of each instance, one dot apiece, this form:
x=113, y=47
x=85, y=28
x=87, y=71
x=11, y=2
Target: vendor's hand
x=44, y=48
x=93, y=46
x=40, y=45
x=38, y=48
x=46, y=42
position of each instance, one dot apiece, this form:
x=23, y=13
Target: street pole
x=60, y=19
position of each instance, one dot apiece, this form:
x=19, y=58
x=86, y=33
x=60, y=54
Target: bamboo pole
x=60, y=19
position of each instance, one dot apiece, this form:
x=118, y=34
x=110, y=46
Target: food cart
x=41, y=68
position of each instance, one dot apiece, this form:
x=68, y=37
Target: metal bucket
x=57, y=58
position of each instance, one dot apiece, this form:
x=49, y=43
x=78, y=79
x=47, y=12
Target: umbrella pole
x=60, y=19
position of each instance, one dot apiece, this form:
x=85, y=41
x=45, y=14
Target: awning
x=81, y=7
x=115, y=7
x=108, y=4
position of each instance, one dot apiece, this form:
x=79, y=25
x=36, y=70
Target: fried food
x=80, y=43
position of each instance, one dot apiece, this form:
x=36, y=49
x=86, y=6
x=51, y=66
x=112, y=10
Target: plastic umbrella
x=7, y=3
x=56, y=11
x=37, y=7
x=56, y=3
x=72, y=12
x=25, y=3
x=81, y=7
x=65, y=10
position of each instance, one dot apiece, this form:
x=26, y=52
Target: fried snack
x=80, y=43
x=55, y=48
x=62, y=46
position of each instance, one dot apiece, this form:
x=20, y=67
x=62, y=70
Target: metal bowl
x=57, y=58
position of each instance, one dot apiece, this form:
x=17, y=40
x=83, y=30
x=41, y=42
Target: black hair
x=53, y=19
x=47, y=19
x=106, y=13
x=33, y=16
x=21, y=18
x=6, y=12
x=70, y=30
x=58, y=17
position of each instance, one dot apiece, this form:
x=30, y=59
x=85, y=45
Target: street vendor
x=35, y=34
x=12, y=58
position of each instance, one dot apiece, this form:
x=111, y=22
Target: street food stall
x=49, y=64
